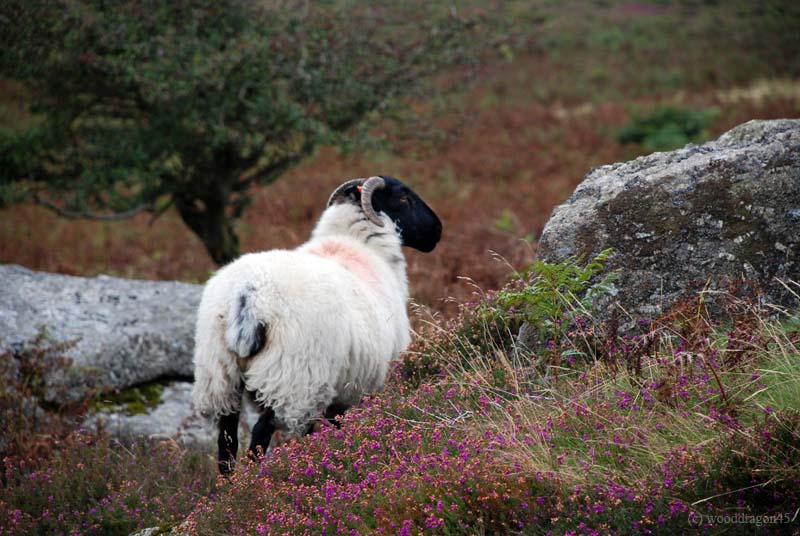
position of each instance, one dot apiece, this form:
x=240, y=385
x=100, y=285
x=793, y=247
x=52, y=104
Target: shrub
x=393, y=468
x=552, y=299
x=666, y=128
x=94, y=486
x=31, y=425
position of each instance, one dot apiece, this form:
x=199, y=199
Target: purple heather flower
x=405, y=530
x=433, y=522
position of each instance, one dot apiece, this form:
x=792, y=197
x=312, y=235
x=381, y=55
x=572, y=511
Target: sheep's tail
x=245, y=334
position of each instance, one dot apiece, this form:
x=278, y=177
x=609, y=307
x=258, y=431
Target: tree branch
x=271, y=172
x=69, y=214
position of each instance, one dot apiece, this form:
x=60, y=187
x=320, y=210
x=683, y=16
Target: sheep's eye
x=405, y=200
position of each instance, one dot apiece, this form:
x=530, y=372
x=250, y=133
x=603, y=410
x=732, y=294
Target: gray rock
x=677, y=220
x=116, y=332
x=173, y=418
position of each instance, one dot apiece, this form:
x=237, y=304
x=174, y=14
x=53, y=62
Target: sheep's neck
x=345, y=254
x=345, y=220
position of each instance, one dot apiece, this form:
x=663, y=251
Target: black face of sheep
x=419, y=226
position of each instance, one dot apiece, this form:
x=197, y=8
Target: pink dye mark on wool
x=346, y=255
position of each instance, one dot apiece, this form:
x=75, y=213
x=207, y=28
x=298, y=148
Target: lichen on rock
x=698, y=217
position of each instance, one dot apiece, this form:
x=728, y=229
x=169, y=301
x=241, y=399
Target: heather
x=598, y=427
x=92, y=486
x=590, y=424
x=657, y=432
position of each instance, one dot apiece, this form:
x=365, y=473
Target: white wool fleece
x=334, y=315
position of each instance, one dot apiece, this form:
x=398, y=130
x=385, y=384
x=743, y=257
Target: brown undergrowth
x=494, y=185
x=493, y=158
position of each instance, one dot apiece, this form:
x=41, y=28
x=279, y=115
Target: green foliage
x=667, y=127
x=136, y=400
x=551, y=298
x=556, y=294
x=506, y=221
x=194, y=102
x=780, y=370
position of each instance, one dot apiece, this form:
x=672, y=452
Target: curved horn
x=343, y=187
x=370, y=186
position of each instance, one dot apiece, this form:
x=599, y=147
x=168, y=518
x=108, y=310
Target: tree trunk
x=208, y=219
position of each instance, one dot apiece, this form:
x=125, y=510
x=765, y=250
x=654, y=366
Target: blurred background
x=189, y=133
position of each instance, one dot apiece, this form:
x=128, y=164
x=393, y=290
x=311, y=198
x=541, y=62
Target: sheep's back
x=331, y=333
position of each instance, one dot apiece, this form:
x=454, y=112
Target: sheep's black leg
x=332, y=411
x=228, y=443
x=262, y=433
x=330, y=414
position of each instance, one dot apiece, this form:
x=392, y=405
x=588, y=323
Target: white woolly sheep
x=307, y=332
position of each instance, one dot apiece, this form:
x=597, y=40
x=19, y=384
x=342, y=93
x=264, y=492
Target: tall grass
x=701, y=423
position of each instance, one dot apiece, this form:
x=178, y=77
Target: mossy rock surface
x=704, y=216
x=135, y=401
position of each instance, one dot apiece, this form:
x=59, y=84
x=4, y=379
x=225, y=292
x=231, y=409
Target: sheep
x=307, y=332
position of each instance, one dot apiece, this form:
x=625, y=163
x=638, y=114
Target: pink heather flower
x=676, y=507
x=405, y=530
x=433, y=522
